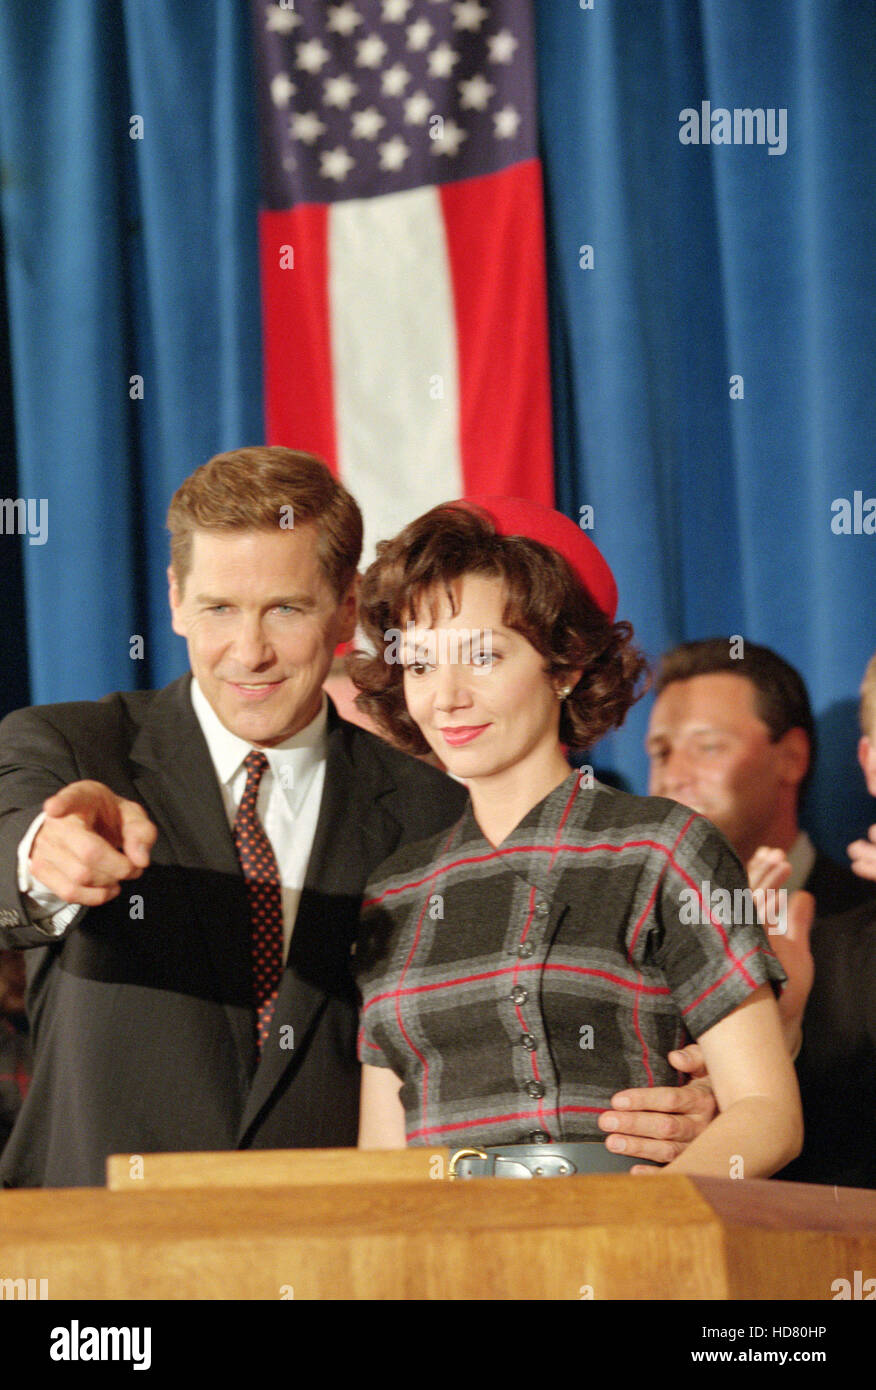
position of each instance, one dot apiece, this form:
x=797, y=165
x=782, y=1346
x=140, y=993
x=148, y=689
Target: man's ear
x=867, y=759
x=796, y=755
x=348, y=611
x=174, y=598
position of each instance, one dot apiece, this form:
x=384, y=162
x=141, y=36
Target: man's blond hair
x=259, y=489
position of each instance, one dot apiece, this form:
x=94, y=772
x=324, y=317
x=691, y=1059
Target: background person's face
x=867, y=759
x=480, y=714
x=710, y=750
x=262, y=623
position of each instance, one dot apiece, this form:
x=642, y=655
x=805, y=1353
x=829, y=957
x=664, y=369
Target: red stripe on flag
x=495, y=240
x=299, y=400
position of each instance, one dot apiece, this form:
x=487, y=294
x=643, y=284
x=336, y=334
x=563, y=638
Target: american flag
x=402, y=239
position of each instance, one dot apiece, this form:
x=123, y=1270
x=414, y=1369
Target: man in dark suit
x=185, y=866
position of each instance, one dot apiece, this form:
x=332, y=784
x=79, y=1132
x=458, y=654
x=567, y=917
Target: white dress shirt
x=290, y=795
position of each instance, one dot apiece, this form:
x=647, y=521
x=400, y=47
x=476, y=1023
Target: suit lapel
x=176, y=780
x=354, y=833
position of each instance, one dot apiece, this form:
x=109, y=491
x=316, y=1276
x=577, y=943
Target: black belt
x=539, y=1161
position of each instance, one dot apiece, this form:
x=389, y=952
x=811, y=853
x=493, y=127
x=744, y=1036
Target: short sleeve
x=376, y=974
x=370, y=1052
x=712, y=949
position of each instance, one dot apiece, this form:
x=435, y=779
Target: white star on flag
x=417, y=108
x=502, y=46
x=370, y=52
x=476, y=93
x=280, y=20
x=419, y=35
x=306, y=126
x=339, y=91
x=282, y=89
x=450, y=139
x=368, y=124
x=336, y=164
x=394, y=11
x=343, y=19
x=312, y=56
x=394, y=80
x=507, y=123
x=469, y=14
x=442, y=60
x=393, y=153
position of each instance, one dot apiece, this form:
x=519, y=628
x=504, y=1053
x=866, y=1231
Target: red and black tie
x=265, y=899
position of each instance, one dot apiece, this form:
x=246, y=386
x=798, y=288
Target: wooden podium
x=340, y=1224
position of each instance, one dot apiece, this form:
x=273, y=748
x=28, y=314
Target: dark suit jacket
x=835, y=888
x=836, y=1067
x=142, y=1016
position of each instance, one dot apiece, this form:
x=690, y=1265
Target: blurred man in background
x=732, y=736
x=863, y=852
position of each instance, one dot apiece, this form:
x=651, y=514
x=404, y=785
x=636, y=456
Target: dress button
x=539, y=1136
x=528, y=1041
x=525, y=948
x=541, y=909
x=518, y=995
x=536, y=1089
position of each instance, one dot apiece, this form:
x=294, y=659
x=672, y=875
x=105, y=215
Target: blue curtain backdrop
x=139, y=257
x=125, y=257
x=711, y=261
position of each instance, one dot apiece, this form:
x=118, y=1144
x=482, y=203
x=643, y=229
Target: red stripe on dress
x=706, y=992
x=563, y=818
x=716, y=924
x=513, y=970
x=299, y=397
x=513, y=849
x=499, y=1119
x=494, y=227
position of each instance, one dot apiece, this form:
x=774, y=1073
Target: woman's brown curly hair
x=546, y=602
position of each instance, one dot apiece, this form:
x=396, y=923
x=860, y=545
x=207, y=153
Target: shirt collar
x=292, y=762
x=801, y=856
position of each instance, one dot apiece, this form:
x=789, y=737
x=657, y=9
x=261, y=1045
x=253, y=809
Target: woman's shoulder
x=610, y=806
x=674, y=827
x=407, y=867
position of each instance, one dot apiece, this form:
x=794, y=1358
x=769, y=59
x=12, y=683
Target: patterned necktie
x=265, y=900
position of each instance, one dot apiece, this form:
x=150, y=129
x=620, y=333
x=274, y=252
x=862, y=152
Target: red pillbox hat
x=513, y=516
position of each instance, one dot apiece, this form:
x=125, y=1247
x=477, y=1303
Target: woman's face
x=477, y=689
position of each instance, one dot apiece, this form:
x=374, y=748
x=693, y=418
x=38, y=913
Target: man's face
x=867, y=759
x=262, y=623
x=711, y=751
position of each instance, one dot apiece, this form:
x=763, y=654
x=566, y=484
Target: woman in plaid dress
x=562, y=938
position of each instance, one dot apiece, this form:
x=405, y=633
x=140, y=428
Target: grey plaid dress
x=514, y=990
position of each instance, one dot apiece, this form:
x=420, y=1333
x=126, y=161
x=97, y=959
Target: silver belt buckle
x=510, y=1168
x=546, y=1165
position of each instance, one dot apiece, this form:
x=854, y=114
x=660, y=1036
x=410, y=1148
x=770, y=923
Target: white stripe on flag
x=394, y=355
